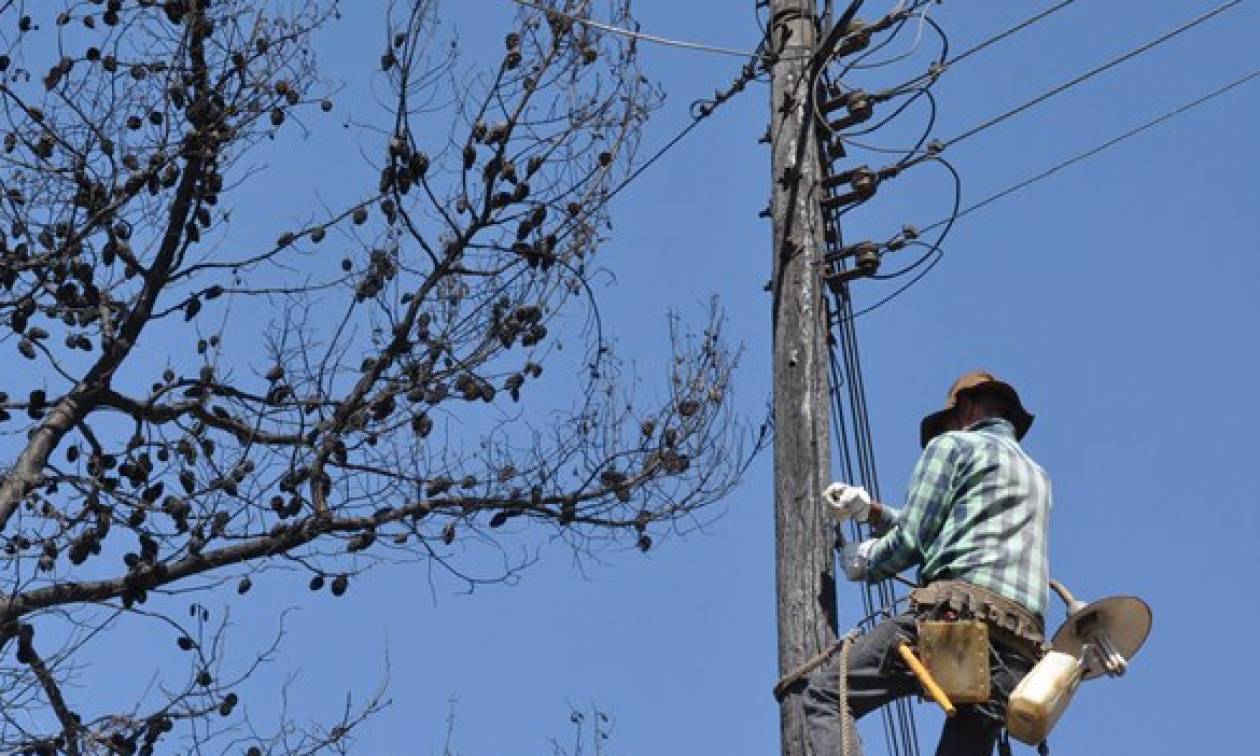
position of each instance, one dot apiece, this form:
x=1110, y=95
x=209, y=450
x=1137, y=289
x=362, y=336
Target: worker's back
x=994, y=534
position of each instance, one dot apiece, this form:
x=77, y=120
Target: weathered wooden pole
x=803, y=553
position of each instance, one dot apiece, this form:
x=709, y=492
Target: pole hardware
x=865, y=263
x=856, y=38
x=857, y=34
x=860, y=106
x=834, y=150
x=863, y=182
x=908, y=234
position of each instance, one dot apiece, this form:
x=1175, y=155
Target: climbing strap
x=781, y=688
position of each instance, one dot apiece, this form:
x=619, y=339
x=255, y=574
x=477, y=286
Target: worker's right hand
x=855, y=559
x=846, y=502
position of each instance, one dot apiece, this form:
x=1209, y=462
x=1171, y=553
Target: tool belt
x=1010, y=624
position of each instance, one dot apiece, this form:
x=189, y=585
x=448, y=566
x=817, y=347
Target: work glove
x=846, y=502
x=855, y=558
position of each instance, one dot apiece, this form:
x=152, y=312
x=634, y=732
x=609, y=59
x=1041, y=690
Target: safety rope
x=848, y=727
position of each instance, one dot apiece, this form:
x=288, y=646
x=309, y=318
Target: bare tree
x=385, y=406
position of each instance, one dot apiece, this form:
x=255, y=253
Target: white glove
x=847, y=502
x=854, y=559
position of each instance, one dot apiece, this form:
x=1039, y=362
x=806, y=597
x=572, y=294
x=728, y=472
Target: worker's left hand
x=854, y=559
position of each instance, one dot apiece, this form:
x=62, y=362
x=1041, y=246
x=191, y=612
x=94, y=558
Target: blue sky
x=1119, y=296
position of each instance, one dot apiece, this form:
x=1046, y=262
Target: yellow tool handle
x=925, y=677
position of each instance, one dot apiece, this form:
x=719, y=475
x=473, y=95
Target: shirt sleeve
x=927, y=505
x=888, y=519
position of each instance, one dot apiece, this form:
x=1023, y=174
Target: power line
x=700, y=110
x=633, y=34
x=1004, y=34
x=1187, y=26
x=944, y=65
x=1152, y=123
x=935, y=252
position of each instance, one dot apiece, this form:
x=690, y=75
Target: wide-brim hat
x=976, y=382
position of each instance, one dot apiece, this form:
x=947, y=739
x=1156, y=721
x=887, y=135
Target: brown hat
x=978, y=382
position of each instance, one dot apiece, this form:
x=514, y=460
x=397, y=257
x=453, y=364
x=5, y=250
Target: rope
x=848, y=727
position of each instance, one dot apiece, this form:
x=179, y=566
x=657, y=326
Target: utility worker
x=974, y=523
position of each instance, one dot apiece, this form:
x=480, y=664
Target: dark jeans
x=878, y=676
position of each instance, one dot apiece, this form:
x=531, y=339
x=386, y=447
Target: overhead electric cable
x=1004, y=34
x=936, y=253
x=633, y=34
x=936, y=71
x=1150, y=124
x=1185, y=27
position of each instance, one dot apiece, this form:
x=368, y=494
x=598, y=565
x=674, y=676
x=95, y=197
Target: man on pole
x=975, y=524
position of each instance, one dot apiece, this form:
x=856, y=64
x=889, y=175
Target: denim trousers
x=877, y=676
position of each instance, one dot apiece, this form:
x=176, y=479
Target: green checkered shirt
x=977, y=510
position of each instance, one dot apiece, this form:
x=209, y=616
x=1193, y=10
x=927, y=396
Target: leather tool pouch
x=957, y=655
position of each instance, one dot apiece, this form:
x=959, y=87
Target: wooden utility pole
x=803, y=538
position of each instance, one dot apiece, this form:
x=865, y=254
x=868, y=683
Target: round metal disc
x=1127, y=619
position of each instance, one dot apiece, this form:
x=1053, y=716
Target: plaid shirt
x=977, y=510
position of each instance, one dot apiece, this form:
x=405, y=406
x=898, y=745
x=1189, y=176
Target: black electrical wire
x=860, y=66
x=899, y=723
x=1008, y=32
x=933, y=257
x=907, y=15
x=930, y=259
x=1082, y=156
x=946, y=64
x=700, y=110
x=1091, y=73
x=927, y=132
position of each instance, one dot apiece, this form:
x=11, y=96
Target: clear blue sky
x=1118, y=296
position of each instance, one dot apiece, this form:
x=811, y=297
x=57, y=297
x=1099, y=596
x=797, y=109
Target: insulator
x=864, y=183
x=853, y=250
x=860, y=106
x=866, y=263
x=849, y=177
x=837, y=99
x=857, y=37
